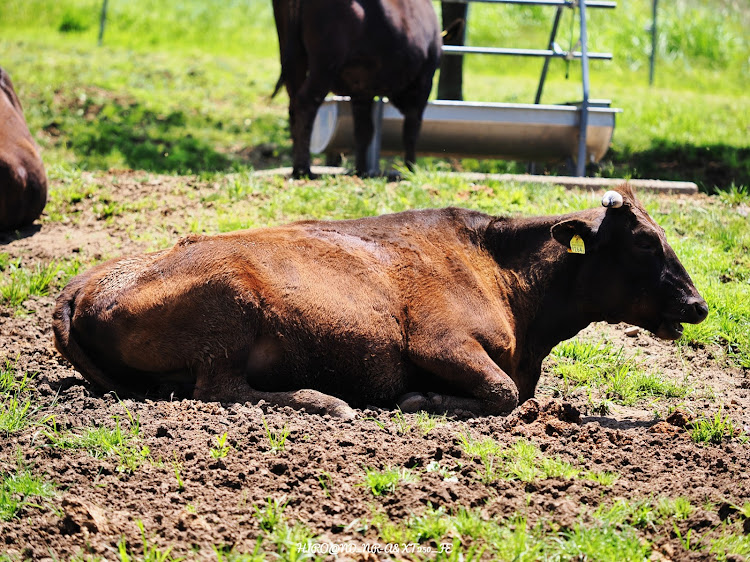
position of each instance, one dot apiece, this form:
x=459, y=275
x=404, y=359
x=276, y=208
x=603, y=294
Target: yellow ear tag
x=576, y=245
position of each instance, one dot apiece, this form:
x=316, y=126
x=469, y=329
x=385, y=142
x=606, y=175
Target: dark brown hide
x=357, y=48
x=451, y=302
x=23, y=183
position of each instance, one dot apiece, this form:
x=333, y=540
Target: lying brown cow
x=23, y=183
x=357, y=48
x=376, y=310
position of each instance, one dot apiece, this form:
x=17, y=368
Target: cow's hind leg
x=363, y=131
x=218, y=383
x=411, y=104
x=485, y=389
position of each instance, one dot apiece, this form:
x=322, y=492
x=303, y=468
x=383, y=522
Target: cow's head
x=629, y=272
x=23, y=182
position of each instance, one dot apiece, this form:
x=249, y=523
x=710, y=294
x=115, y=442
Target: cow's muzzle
x=694, y=311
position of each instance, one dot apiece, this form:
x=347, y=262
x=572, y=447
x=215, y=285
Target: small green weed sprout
x=271, y=515
x=386, y=481
x=177, y=468
x=402, y=423
x=291, y=542
x=326, y=481
x=426, y=422
x=276, y=440
x=150, y=552
x=423, y=421
x=222, y=448
x=16, y=411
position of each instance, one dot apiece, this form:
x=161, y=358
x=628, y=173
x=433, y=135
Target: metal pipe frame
x=561, y=3
x=581, y=161
x=549, y=53
x=550, y=46
x=553, y=51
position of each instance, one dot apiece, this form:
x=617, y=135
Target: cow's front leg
x=483, y=387
x=363, y=131
x=216, y=382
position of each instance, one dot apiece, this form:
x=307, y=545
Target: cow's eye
x=645, y=243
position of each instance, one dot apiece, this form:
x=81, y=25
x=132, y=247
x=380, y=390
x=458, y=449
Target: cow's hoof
x=344, y=412
x=393, y=176
x=301, y=174
x=413, y=402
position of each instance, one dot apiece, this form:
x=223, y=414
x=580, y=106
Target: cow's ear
x=575, y=234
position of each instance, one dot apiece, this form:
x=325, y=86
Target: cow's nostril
x=700, y=309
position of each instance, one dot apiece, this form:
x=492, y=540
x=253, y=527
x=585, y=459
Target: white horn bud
x=612, y=199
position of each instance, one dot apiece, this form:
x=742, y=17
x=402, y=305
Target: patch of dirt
x=188, y=500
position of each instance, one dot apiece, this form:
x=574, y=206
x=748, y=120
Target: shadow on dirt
x=8, y=236
x=614, y=423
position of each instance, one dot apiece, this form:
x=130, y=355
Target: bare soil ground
x=192, y=502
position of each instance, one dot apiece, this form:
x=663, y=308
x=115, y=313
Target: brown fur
x=373, y=310
x=23, y=182
x=357, y=48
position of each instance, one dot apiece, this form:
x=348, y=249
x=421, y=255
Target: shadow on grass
x=145, y=139
x=714, y=168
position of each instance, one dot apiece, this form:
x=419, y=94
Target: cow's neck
x=546, y=300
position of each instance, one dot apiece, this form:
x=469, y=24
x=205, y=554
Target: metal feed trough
x=580, y=131
x=476, y=130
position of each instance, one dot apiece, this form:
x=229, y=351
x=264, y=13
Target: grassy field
x=184, y=87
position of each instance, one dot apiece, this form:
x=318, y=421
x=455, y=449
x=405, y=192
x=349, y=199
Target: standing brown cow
x=23, y=183
x=378, y=310
x=361, y=49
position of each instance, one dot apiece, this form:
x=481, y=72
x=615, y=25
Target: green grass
x=386, y=481
x=644, y=513
x=525, y=462
x=618, y=376
x=20, y=282
x=290, y=542
x=468, y=535
x=713, y=429
x=19, y=409
x=423, y=422
x=122, y=441
x=149, y=552
x=270, y=515
x=20, y=489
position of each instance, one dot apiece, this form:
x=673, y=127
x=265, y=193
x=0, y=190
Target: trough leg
x=486, y=389
x=216, y=383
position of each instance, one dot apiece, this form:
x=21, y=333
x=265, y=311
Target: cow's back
x=381, y=47
x=330, y=304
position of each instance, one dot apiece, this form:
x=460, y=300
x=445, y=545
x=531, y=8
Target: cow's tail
x=287, y=14
x=456, y=27
x=279, y=84
x=67, y=344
